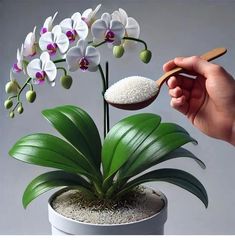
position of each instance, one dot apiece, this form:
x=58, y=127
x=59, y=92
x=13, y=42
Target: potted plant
x=101, y=178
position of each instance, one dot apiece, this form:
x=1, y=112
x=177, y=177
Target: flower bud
x=31, y=96
x=8, y=104
x=11, y=114
x=145, y=56
x=118, y=51
x=66, y=81
x=11, y=87
x=20, y=109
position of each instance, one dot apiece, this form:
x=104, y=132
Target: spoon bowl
x=129, y=89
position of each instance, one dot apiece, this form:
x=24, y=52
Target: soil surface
x=139, y=205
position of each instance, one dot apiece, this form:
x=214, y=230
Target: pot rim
x=162, y=212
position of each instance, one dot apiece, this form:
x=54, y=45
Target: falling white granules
x=131, y=90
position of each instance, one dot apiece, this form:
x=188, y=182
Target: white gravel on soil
x=146, y=204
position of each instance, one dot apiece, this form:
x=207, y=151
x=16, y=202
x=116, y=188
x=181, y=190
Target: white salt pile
x=131, y=90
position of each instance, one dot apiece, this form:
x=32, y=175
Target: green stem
x=106, y=87
x=22, y=88
x=138, y=40
x=104, y=102
x=59, y=60
x=62, y=68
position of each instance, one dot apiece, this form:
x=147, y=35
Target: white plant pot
x=153, y=225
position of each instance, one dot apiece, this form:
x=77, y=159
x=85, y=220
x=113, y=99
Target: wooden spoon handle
x=208, y=56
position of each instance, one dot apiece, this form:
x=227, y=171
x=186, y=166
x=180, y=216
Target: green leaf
x=174, y=176
x=179, y=153
x=50, y=151
x=79, y=129
x=124, y=138
x=165, y=139
x=51, y=180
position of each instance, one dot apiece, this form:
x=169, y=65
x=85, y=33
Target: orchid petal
x=132, y=28
x=123, y=16
x=82, y=44
x=95, y=11
x=45, y=40
x=50, y=70
x=98, y=29
x=76, y=17
x=33, y=67
x=116, y=16
x=44, y=57
x=92, y=55
x=66, y=25
x=62, y=42
x=81, y=29
x=72, y=58
x=107, y=18
x=118, y=28
x=86, y=14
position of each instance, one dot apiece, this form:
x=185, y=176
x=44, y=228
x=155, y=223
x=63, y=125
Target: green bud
x=31, y=96
x=11, y=114
x=20, y=109
x=11, y=87
x=66, y=81
x=8, y=104
x=145, y=56
x=118, y=51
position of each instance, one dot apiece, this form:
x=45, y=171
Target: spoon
x=135, y=86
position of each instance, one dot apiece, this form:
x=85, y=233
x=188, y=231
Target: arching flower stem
x=135, y=39
x=62, y=68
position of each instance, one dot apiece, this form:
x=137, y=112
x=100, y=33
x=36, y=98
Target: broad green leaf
x=50, y=151
x=162, y=141
x=178, y=177
x=79, y=129
x=51, y=180
x=180, y=153
x=124, y=138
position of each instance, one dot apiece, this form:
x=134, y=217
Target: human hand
x=208, y=99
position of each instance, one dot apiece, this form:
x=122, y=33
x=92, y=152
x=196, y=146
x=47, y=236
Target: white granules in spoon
x=131, y=90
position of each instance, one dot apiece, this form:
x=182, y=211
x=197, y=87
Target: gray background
x=171, y=28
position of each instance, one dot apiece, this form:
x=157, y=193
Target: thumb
x=194, y=64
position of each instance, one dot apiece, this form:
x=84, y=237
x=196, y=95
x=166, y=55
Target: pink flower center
x=71, y=34
x=16, y=68
x=109, y=36
x=52, y=48
x=43, y=30
x=83, y=64
x=40, y=76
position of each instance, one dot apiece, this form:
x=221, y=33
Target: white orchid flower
x=83, y=57
x=19, y=65
x=132, y=28
x=74, y=27
x=89, y=15
x=42, y=69
x=106, y=29
x=48, y=24
x=53, y=41
x=30, y=44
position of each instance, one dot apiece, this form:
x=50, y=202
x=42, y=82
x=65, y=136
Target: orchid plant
x=107, y=170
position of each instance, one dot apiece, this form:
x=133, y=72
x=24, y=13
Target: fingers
x=193, y=64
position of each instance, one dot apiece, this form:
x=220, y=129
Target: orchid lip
x=83, y=64
x=109, y=36
x=71, y=34
x=40, y=76
x=16, y=68
x=52, y=47
x=43, y=30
